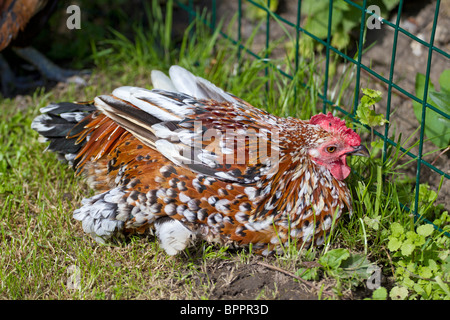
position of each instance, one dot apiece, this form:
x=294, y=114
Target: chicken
x=20, y=22
x=189, y=161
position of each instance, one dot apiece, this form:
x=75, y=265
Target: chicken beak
x=359, y=151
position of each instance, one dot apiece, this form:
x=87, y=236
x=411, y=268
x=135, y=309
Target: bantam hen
x=188, y=161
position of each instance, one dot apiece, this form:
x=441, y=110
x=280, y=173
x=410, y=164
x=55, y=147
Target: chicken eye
x=331, y=149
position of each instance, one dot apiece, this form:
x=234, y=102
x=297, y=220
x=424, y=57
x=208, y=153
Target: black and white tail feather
x=56, y=122
x=171, y=100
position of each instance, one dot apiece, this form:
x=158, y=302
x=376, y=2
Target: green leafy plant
x=422, y=263
x=365, y=114
x=427, y=197
x=436, y=125
x=340, y=264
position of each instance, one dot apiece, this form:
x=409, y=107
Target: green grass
x=44, y=249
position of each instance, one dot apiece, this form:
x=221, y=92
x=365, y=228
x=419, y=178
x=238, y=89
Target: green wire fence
x=362, y=9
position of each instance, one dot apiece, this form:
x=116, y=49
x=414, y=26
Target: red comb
x=334, y=124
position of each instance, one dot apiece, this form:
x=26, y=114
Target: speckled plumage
x=192, y=161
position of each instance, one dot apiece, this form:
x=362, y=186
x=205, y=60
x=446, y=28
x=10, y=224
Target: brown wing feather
x=101, y=135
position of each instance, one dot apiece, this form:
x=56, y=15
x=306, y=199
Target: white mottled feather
x=197, y=87
x=173, y=236
x=162, y=82
x=73, y=116
x=171, y=151
x=161, y=131
x=98, y=215
x=158, y=100
x=157, y=108
x=122, y=92
x=39, y=123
